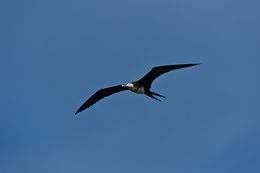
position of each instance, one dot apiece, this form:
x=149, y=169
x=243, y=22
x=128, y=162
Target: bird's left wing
x=159, y=70
x=101, y=94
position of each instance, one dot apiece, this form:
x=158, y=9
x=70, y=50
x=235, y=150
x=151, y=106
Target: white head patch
x=130, y=85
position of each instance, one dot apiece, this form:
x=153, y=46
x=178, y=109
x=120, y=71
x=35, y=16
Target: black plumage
x=147, y=80
x=141, y=86
x=99, y=95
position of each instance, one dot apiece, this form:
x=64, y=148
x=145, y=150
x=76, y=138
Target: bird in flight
x=141, y=86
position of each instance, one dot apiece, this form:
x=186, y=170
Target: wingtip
x=194, y=64
x=78, y=111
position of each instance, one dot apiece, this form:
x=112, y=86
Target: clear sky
x=57, y=53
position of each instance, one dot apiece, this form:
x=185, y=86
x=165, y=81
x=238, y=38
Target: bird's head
x=129, y=85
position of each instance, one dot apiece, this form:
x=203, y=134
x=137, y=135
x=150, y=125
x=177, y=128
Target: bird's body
x=136, y=88
x=141, y=86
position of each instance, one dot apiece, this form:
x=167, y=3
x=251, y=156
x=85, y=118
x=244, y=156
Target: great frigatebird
x=141, y=86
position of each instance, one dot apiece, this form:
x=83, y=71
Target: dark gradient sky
x=55, y=54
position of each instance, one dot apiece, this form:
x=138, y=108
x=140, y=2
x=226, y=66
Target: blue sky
x=55, y=54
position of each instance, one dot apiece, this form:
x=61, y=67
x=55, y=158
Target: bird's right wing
x=101, y=94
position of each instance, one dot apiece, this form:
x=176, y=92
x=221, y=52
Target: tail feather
x=150, y=94
x=158, y=94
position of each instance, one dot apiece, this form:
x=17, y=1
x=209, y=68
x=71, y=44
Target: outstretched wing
x=101, y=94
x=157, y=71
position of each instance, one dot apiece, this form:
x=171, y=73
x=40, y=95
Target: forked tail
x=150, y=94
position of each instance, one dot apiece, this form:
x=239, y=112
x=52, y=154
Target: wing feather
x=99, y=95
x=159, y=70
